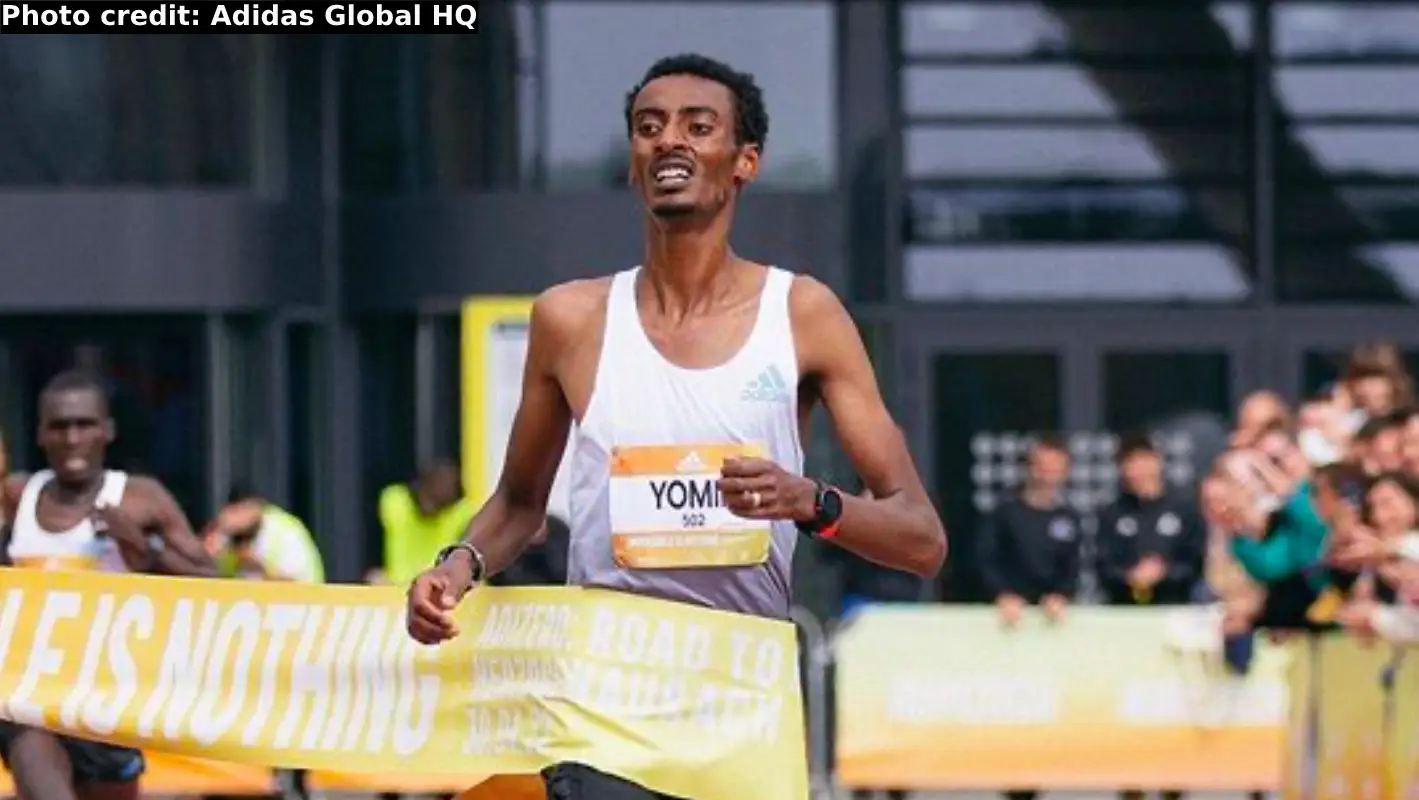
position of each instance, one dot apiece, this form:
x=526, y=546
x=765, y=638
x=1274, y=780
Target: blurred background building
x=1045, y=216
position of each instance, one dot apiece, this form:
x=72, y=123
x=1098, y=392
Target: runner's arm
x=899, y=528
x=182, y=553
x=10, y=490
x=506, y=524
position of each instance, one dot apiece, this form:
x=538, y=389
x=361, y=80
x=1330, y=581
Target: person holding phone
x=1277, y=534
x=1373, y=552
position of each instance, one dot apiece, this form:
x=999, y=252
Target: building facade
x=1044, y=214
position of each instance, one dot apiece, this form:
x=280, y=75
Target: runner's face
x=684, y=154
x=74, y=431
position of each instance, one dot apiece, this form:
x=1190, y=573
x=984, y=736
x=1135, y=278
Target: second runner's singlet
x=80, y=547
x=646, y=516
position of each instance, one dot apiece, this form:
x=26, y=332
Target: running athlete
x=702, y=366
x=76, y=515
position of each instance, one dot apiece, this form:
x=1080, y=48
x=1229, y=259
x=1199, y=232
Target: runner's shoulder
x=145, y=487
x=568, y=310
x=812, y=301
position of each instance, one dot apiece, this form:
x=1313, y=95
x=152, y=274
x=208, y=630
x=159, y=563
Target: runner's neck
x=679, y=284
x=76, y=493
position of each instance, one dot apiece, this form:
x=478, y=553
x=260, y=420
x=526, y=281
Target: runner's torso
x=77, y=548
x=646, y=517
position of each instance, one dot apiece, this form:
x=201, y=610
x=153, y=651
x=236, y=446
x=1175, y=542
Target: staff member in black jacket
x=1152, y=542
x=1028, y=548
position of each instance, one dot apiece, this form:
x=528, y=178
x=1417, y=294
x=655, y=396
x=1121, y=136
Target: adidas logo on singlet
x=769, y=387
x=692, y=463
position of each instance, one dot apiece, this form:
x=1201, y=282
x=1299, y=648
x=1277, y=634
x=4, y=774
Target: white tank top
x=645, y=516
x=75, y=549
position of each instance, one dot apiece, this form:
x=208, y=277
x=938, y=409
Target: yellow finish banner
x=943, y=698
x=687, y=701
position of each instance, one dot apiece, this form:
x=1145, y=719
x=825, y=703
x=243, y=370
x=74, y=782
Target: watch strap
x=821, y=527
x=479, y=566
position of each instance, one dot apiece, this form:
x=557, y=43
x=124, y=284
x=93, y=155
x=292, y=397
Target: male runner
x=77, y=515
x=701, y=364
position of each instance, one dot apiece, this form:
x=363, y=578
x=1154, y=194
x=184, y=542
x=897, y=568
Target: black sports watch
x=827, y=513
x=478, y=568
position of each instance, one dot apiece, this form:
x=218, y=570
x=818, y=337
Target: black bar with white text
x=203, y=16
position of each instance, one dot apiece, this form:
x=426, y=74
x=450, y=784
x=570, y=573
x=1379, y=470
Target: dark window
x=434, y=112
x=142, y=110
x=305, y=403
x=1077, y=152
x=1148, y=390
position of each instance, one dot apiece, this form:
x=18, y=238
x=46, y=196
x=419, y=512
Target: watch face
x=831, y=504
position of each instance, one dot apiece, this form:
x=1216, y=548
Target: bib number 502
x=693, y=520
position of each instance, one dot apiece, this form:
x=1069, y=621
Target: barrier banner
x=684, y=700
x=1298, y=761
x=944, y=698
x=1403, y=744
x=174, y=775
x=1350, y=759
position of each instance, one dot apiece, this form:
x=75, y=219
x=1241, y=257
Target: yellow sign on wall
x=495, y=332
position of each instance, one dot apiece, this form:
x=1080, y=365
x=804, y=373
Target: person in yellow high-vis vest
x=418, y=520
x=255, y=539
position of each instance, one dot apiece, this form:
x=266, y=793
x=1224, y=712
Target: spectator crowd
x=1308, y=519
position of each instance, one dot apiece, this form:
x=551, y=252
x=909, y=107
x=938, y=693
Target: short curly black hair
x=751, y=119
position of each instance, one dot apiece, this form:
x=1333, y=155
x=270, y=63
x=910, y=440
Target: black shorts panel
x=93, y=762
x=580, y=782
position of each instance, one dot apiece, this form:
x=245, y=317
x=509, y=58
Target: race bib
x=667, y=512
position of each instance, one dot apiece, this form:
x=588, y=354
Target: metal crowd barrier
x=816, y=655
x=291, y=785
